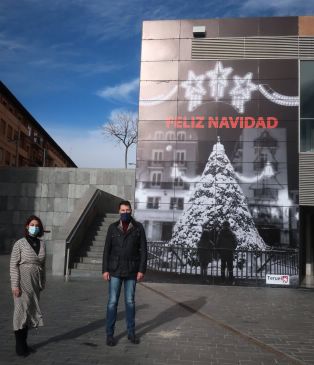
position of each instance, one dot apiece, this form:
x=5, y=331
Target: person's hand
x=16, y=292
x=139, y=276
x=106, y=276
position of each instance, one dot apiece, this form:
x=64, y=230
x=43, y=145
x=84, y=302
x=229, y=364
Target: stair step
x=83, y=273
x=99, y=243
x=90, y=260
x=99, y=237
x=93, y=254
x=96, y=249
x=89, y=263
x=88, y=266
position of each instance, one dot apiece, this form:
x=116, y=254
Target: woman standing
x=27, y=271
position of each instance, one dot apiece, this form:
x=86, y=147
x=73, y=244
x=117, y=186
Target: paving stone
x=178, y=324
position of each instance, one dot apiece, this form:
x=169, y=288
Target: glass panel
x=307, y=135
x=307, y=106
x=307, y=89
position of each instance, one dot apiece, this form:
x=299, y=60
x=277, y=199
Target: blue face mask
x=33, y=230
x=125, y=217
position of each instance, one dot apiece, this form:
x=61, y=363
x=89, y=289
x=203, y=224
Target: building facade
x=23, y=141
x=225, y=121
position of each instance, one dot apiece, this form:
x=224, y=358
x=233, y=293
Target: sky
x=75, y=63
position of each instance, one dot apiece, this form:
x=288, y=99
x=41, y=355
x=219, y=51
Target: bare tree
x=122, y=126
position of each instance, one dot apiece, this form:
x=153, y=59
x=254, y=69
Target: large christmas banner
x=217, y=169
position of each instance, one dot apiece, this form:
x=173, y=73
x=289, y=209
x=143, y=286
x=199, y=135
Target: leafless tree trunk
x=122, y=127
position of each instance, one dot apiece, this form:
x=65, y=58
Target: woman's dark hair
x=33, y=218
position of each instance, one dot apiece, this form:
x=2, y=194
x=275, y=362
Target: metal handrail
x=247, y=264
x=75, y=228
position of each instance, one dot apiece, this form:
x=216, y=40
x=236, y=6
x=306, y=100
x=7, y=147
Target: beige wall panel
x=159, y=71
x=160, y=50
x=161, y=29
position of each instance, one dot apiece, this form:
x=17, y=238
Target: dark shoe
x=24, y=333
x=20, y=348
x=110, y=341
x=132, y=338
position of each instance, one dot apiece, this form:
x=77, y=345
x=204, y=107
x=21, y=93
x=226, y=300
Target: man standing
x=124, y=261
x=205, y=250
x=226, y=244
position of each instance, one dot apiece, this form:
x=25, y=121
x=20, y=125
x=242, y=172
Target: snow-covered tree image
x=217, y=197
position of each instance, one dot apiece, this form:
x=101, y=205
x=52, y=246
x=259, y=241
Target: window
x=306, y=106
x=260, y=161
x=178, y=182
x=156, y=178
x=3, y=127
x=181, y=136
x=153, y=203
x=170, y=136
x=157, y=155
x=9, y=133
x=180, y=156
x=266, y=193
x=7, y=158
x=176, y=203
x=159, y=136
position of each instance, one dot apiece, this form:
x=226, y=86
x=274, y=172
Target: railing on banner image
x=247, y=264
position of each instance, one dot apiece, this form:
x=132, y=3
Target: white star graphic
x=218, y=80
x=194, y=90
x=241, y=93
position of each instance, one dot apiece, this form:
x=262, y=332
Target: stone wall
x=52, y=194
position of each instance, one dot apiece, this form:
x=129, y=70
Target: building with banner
x=226, y=126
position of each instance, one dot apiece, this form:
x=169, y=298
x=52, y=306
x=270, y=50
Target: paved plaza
x=186, y=324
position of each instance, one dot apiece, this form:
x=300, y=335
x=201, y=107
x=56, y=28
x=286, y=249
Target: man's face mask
x=125, y=217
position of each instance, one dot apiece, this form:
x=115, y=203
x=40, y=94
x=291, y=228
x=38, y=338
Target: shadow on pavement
x=77, y=332
x=179, y=310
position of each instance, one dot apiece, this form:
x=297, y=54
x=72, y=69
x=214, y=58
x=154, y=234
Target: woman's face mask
x=33, y=230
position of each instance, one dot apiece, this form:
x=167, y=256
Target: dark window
x=306, y=106
x=176, y=203
x=7, y=158
x=156, y=179
x=266, y=193
x=3, y=127
x=153, y=203
x=181, y=136
x=178, y=181
x=9, y=133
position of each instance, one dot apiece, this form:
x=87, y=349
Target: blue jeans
x=115, y=284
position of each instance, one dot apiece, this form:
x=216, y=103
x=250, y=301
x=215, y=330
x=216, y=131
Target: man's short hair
x=125, y=202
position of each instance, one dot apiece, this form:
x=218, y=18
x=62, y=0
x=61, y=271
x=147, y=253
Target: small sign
x=278, y=279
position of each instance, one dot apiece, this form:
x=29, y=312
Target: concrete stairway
x=89, y=263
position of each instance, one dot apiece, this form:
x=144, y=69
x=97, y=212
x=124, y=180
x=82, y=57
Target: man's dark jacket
x=125, y=254
x=226, y=240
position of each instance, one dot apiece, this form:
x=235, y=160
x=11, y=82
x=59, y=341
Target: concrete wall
x=52, y=194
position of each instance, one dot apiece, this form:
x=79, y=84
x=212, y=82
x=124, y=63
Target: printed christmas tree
x=217, y=197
